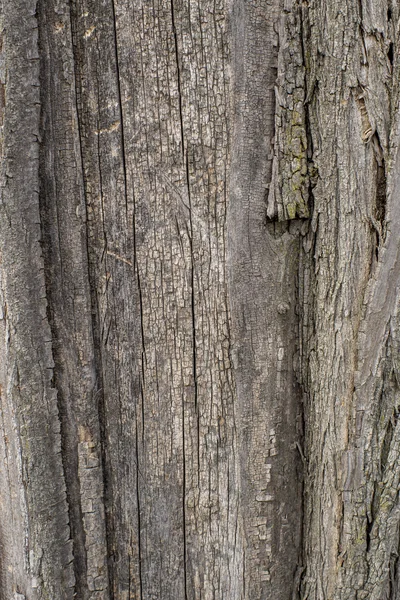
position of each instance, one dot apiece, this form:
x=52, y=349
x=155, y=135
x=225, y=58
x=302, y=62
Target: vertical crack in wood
x=142, y=381
x=186, y=163
x=139, y=541
x=99, y=397
x=69, y=439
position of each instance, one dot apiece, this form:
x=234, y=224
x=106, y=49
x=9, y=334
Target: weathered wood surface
x=165, y=309
x=199, y=236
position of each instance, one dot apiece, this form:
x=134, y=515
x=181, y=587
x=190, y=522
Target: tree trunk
x=199, y=286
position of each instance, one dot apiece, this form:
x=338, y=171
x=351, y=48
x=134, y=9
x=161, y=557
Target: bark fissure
x=185, y=574
x=97, y=333
x=138, y=519
x=69, y=440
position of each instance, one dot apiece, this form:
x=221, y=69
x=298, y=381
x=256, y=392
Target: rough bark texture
x=199, y=238
x=350, y=323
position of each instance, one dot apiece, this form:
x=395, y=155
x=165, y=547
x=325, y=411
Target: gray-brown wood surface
x=199, y=293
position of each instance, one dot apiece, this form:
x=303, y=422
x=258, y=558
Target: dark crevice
x=367, y=132
x=51, y=252
x=390, y=53
x=381, y=200
x=193, y=312
x=394, y=575
x=369, y=526
x=375, y=502
x=186, y=163
x=308, y=89
x=184, y=500
x=360, y=8
x=277, y=229
x=138, y=505
x=379, y=216
x=309, y=92
x=194, y=380
x=300, y=427
x=96, y=325
x=312, y=170
x=140, y=297
x=106, y=471
x=378, y=210
x=387, y=440
x=141, y=388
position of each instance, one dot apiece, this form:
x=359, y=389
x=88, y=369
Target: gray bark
x=198, y=300
x=350, y=329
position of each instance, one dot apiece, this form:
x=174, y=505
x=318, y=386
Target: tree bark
x=198, y=298
x=350, y=329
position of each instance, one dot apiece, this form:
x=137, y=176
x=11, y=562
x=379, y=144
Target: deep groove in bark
x=312, y=171
x=187, y=175
x=386, y=445
x=369, y=526
x=185, y=575
x=143, y=357
x=138, y=514
x=394, y=575
x=381, y=199
x=390, y=53
x=69, y=440
x=193, y=310
x=96, y=325
x=379, y=210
